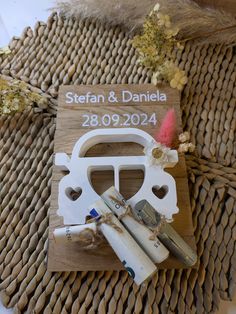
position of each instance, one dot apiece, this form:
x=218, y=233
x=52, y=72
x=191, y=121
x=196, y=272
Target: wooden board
x=74, y=120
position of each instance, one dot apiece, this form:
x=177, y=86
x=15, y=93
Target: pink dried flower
x=167, y=131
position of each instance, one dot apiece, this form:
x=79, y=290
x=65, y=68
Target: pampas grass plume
x=204, y=25
x=167, y=132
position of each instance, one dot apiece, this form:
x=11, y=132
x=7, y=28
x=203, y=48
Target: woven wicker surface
x=85, y=52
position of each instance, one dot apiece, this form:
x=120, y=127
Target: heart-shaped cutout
x=160, y=191
x=73, y=194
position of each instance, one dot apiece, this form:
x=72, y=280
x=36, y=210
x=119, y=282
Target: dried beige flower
x=156, y=78
x=186, y=147
x=171, y=32
x=157, y=153
x=184, y=137
x=156, y=7
x=163, y=20
x=191, y=147
x=179, y=80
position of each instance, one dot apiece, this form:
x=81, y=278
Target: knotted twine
x=89, y=239
x=130, y=212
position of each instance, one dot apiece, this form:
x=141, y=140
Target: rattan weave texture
x=65, y=51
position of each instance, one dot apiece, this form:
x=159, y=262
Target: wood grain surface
x=69, y=129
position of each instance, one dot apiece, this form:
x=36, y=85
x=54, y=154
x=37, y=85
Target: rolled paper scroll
x=77, y=233
x=154, y=249
x=134, y=259
x=167, y=234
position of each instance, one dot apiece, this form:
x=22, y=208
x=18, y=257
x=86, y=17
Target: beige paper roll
x=72, y=233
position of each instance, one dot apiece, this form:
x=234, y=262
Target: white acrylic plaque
x=80, y=168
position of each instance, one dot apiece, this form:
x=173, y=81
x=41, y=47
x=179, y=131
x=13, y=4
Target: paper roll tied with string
x=134, y=259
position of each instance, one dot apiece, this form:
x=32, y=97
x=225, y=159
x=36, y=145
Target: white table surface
x=15, y=15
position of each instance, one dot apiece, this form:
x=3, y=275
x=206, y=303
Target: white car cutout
x=80, y=167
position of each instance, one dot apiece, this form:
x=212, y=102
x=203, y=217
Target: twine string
x=90, y=239
x=129, y=212
x=107, y=219
x=128, y=209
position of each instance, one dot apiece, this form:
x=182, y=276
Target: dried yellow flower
x=156, y=45
x=171, y=32
x=164, y=20
x=15, y=96
x=5, y=50
x=157, y=153
x=179, y=80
